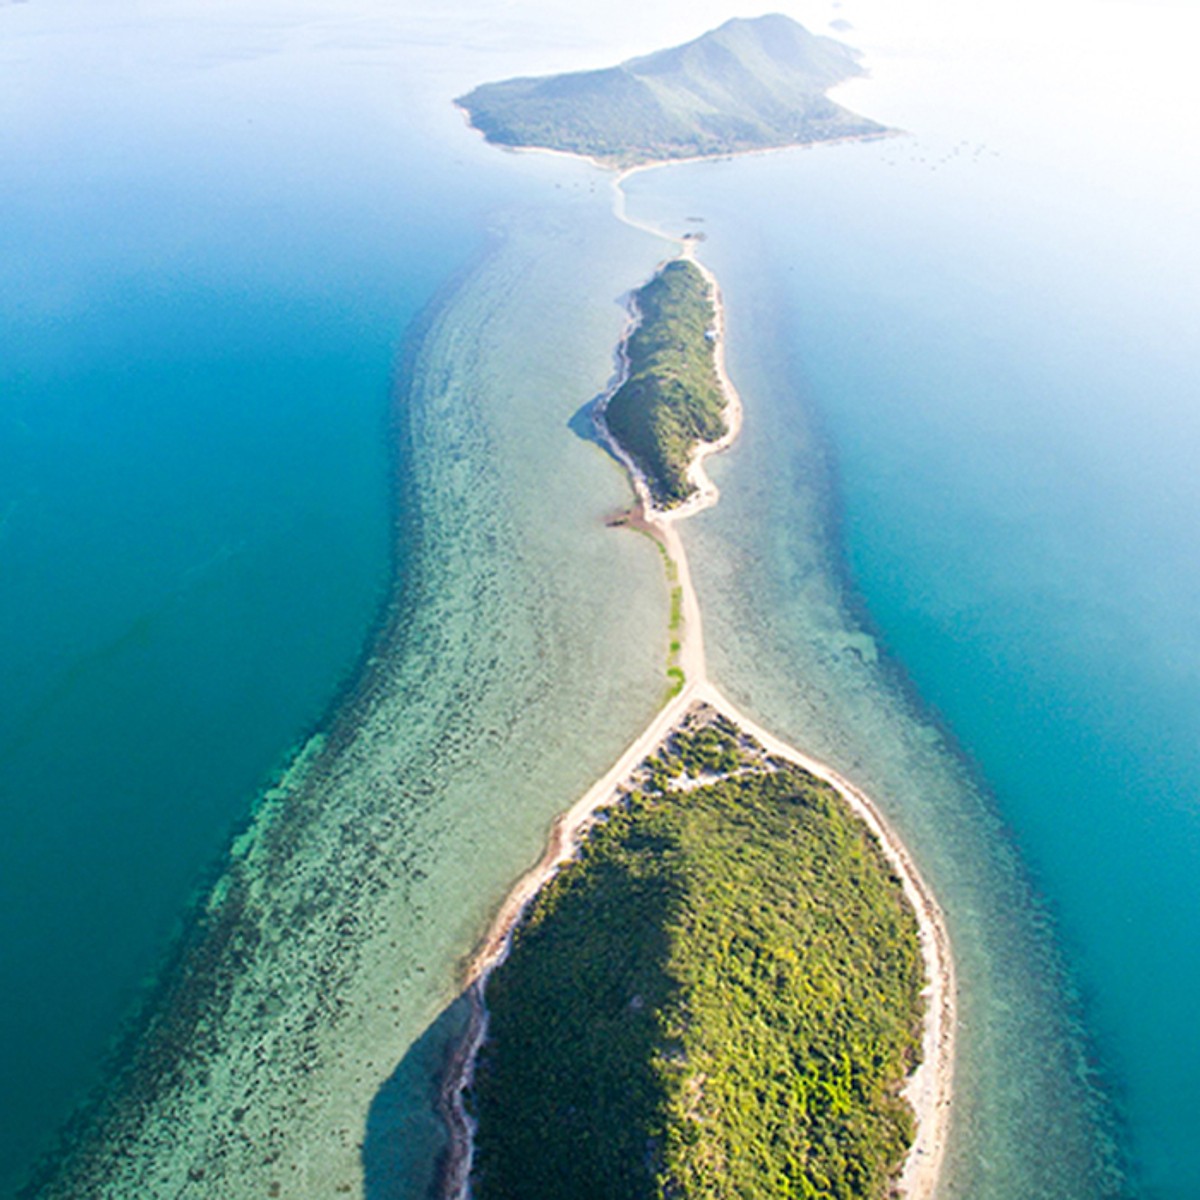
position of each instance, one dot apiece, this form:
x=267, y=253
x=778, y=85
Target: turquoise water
x=973, y=364
x=334, y=938
x=955, y=555
x=205, y=289
x=221, y=434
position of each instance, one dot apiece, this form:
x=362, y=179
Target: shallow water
x=789, y=646
x=332, y=942
x=214, y=240
x=969, y=371
x=902, y=465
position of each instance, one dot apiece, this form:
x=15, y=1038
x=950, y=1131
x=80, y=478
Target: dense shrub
x=672, y=398
x=721, y=998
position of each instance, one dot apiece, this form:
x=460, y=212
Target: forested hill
x=749, y=85
x=719, y=1000
x=671, y=399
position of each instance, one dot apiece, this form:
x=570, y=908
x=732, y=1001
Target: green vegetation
x=720, y=999
x=672, y=398
x=676, y=609
x=675, y=672
x=669, y=564
x=713, y=748
x=749, y=85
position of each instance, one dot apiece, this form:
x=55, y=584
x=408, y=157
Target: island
x=725, y=976
x=670, y=397
x=719, y=997
x=752, y=84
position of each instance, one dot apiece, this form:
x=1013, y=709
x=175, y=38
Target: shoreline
x=707, y=493
x=626, y=169
x=929, y=1088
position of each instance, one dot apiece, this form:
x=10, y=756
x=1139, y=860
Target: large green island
x=720, y=997
x=749, y=85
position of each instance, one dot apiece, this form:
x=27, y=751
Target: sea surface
x=290, y=456
x=969, y=364
x=214, y=240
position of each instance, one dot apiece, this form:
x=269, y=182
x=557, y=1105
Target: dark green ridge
x=719, y=999
x=749, y=85
x=671, y=398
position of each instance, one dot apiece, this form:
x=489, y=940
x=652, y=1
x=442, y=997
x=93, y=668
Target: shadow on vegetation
x=405, y=1136
x=568, y=1093
x=570, y=1061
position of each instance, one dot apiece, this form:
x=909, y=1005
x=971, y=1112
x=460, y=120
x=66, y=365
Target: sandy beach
x=929, y=1088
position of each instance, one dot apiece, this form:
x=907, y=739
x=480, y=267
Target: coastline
x=707, y=493
x=624, y=170
x=929, y=1088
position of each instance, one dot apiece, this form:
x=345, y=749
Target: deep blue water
x=998, y=338
x=215, y=236
x=1022, y=518
x=1016, y=429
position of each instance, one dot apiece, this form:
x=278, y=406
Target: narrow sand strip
x=929, y=1088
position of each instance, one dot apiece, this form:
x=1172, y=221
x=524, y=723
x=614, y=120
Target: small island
x=670, y=397
x=719, y=997
x=755, y=84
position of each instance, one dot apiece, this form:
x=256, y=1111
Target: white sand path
x=929, y=1088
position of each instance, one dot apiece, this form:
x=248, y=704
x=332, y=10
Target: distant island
x=720, y=997
x=670, y=399
x=755, y=84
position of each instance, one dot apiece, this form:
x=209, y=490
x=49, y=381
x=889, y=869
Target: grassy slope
x=719, y=1000
x=751, y=84
x=672, y=398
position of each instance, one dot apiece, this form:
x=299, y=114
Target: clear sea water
x=956, y=554
x=990, y=330
x=211, y=250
